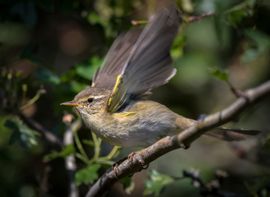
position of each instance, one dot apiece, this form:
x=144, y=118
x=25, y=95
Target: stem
x=104, y=161
x=97, y=143
x=79, y=145
x=82, y=158
x=114, y=152
x=33, y=100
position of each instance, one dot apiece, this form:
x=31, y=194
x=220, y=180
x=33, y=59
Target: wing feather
x=149, y=63
x=115, y=59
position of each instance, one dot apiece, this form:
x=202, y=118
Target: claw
x=116, y=164
x=135, y=156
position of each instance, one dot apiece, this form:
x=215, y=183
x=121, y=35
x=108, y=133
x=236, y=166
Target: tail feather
x=226, y=134
x=232, y=134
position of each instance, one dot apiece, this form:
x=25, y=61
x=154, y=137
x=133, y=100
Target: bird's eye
x=90, y=100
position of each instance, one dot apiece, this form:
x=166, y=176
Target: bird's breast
x=133, y=127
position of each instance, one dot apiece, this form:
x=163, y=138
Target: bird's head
x=90, y=101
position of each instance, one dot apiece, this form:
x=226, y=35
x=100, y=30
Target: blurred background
x=49, y=51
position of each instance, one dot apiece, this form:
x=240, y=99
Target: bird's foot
x=116, y=164
x=133, y=157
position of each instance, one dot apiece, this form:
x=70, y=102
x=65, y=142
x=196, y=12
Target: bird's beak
x=70, y=103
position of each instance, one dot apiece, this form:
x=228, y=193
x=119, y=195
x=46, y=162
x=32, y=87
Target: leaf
x=236, y=17
x=87, y=175
x=220, y=74
x=47, y=76
x=76, y=86
x=241, y=11
x=93, y=18
x=21, y=132
x=258, y=43
x=128, y=184
x=67, y=150
x=156, y=183
x=86, y=71
x=177, y=47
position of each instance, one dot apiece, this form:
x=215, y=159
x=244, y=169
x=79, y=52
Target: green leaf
x=220, y=74
x=258, y=43
x=87, y=175
x=21, y=132
x=177, y=47
x=156, y=183
x=238, y=13
x=128, y=184
x=47, y=76
x=93, y=18
x=68, y=150
x=86, y=71
x=77, y=86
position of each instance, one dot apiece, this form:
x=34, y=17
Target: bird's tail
x=226, y=134
x=232, y=134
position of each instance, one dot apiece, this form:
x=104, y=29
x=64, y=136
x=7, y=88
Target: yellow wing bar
x=119, y=80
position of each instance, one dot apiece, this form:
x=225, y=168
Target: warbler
x=115, y=105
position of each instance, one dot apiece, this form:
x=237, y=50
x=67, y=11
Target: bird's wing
x=115, y=59
x=149, y=62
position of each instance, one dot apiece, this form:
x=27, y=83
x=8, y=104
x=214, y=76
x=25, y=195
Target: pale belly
x=138, y=129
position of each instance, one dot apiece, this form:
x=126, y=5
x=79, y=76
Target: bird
x=116, y=106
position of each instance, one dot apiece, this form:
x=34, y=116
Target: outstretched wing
x=149, y=63
x=115, y=59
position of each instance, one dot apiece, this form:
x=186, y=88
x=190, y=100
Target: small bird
x=115, y=106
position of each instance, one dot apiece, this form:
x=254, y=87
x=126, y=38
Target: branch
x=143, y=157
x=70, y=160
x=191, y=19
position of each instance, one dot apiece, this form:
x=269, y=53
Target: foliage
x=66, y=151
x=221, y=75
x=156, y=183
x=87, y=175
x=20, y=132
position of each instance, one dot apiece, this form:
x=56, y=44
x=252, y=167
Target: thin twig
x=132, y=165
x=70, y=160
x=97, y=144
x=191, y=19
x=235, y=91
x=34, y=99
x=79, y=146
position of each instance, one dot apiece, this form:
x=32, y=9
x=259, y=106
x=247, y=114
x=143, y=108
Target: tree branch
x=143, y=157
x=70, y=160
